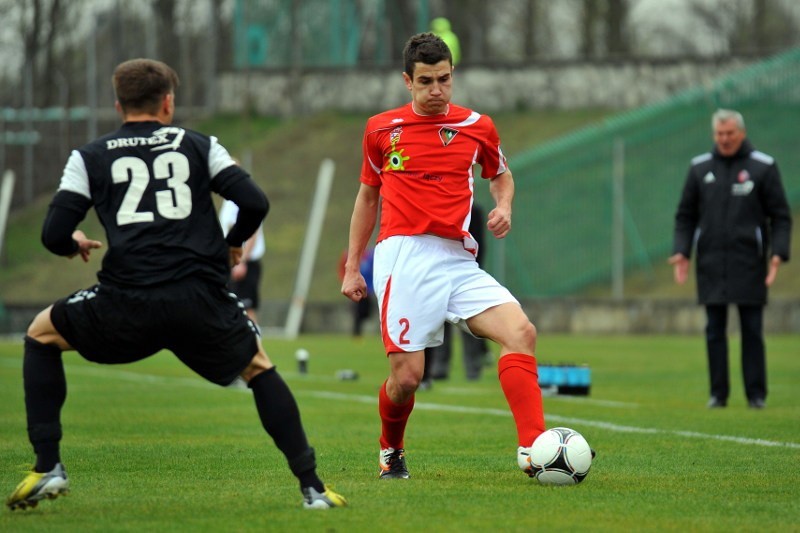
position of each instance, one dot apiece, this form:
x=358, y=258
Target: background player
x=245, y=275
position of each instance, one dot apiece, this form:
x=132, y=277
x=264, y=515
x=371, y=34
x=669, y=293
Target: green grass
x=151, y=447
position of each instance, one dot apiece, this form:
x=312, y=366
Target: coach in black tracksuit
x=734, y=210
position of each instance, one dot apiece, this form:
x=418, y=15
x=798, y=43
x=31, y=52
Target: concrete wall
x=615, y=85
x=646, y=316
x=567, y=315
x=572, y=315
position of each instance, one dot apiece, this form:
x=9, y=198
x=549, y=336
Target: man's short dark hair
x=425, y=48
x=141, y=84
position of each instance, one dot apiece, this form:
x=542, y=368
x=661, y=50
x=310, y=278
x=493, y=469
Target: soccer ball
x=559, y=456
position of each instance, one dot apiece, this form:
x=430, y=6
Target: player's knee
x=41, y=330
x=36, y=328
x=521, y=338
x=408, y=381
x=260, y=363
x=527, y=334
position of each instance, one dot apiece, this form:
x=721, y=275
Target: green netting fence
x=324, y=33
x=602, y=200
x=266, y=34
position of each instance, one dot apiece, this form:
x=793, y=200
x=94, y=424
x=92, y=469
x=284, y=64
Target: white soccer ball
x=559, y=456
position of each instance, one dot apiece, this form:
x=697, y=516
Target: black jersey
x=734, y=211
x=151, y=185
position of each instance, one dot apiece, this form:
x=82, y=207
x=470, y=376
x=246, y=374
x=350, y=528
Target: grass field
x=151, y=447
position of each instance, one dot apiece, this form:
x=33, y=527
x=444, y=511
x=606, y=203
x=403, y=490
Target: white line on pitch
x=137, y=377
x=557, y=418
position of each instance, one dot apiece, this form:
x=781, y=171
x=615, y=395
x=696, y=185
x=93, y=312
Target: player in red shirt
x=418, y=165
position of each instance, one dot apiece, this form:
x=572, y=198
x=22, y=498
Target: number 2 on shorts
x=406, y=326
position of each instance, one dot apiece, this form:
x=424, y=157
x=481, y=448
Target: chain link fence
x=601, y=201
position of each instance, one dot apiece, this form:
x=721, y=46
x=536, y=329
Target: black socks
x=45, y=391
x=280, y=416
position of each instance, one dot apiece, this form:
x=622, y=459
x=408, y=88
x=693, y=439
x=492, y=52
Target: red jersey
x=423, y=165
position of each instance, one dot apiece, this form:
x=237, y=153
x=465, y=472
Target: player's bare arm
x=501, y=188
x=362, y=222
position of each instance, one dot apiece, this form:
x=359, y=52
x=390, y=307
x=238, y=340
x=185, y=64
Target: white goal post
x=6, y=191
x=308, y=254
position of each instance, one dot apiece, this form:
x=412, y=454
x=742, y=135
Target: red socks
x=519, y=380
x=394, y=418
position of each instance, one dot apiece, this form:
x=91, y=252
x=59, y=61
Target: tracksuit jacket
x=734, y=211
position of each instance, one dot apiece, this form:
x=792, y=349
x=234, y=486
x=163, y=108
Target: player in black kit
x=162, y=283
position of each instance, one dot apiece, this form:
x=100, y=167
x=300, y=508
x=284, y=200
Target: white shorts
x=422, y=281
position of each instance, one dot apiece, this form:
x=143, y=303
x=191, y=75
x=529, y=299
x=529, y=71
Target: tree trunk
x=168, y=45
x=31, y=38
x=616, y=18
x=589, y=16
x=760, y=37
x=51, y=87
x=531, y=25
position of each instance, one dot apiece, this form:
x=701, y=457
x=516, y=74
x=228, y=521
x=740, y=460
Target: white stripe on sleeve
x=75, y=178
x=218, y=158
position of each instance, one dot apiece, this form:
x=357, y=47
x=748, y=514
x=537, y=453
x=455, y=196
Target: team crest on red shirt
x=394, y=158
x=394, y=135
x=446, y=135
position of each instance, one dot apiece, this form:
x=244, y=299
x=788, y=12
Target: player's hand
x=774, y=263
x=499, y=222
x=235, y=255
x=680, y=268
x=354, y=286
x=85, y=246
x=238, y=272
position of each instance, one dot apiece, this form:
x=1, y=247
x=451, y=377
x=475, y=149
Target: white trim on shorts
x=421, y=282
